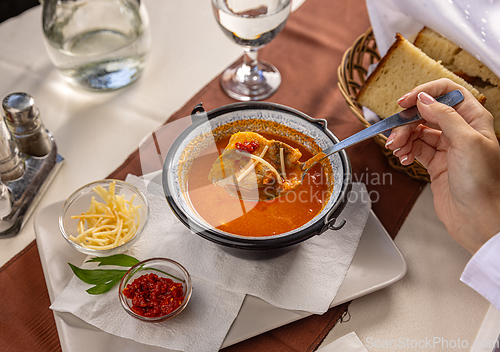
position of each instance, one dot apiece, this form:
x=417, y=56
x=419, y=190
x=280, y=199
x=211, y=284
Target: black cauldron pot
x=258, y=117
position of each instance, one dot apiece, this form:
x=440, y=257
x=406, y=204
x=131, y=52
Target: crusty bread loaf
x=453, y=57
x=403, y=68
x=463, y=64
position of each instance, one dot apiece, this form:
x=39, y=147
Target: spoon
x=268, y=192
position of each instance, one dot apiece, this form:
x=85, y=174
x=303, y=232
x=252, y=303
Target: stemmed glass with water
x=251, y=24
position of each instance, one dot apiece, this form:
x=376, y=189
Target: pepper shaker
x=11, y=165
x=24, y=122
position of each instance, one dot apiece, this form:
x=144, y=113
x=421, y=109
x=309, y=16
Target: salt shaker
x=24, y=122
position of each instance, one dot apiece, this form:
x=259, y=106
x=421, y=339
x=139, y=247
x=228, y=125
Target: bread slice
x=465, y=65
x=435, y=45
x=403, y=68
x=453, y=57
x=492, y=94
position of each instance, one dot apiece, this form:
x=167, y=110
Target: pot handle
x=330, y=225
x=198, y=114
x=322, y=123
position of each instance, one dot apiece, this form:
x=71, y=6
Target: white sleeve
x=482, y=273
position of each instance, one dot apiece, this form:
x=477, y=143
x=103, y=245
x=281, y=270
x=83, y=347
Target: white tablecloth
x=188, y=51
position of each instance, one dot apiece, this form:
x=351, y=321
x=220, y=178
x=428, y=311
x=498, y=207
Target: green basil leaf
x=97, y=276
x=103, y=288
x=117, y=259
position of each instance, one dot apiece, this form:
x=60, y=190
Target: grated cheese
x=109, y=224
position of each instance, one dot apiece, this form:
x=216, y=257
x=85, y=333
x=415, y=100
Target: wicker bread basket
x=352, y=73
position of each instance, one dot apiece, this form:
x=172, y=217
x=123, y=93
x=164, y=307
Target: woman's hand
x=459, y=148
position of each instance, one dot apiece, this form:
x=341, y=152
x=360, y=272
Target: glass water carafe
x=98, y=45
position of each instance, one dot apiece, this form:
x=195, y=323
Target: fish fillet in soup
x=251, y=161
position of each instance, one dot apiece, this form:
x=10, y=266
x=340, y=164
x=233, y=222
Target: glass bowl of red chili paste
x=155, y=289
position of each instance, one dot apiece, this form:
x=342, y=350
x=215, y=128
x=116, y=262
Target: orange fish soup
x=256, y=218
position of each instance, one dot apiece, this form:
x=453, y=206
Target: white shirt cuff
x=482, y=273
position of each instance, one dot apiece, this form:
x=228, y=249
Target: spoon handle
x=402, y=118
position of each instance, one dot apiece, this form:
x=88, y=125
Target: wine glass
x=251, y=24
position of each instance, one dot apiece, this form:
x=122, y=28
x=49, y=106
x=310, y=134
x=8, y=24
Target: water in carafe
x=97, y=44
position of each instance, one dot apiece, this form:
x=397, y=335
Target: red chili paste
x=248, y=146
x=154, y=296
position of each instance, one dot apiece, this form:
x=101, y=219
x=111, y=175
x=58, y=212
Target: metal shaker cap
x=24, y=122
x=20, y=111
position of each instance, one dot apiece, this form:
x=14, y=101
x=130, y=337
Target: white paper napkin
x=473, y=25
x=347, y=343
x=307, y=277
x=201, y=327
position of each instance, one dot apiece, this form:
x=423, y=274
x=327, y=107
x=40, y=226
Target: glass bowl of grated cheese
x=104, y=217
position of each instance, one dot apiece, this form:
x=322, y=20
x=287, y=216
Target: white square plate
x=377, y=264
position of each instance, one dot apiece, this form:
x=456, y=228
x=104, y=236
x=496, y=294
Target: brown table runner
x=307, y=53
